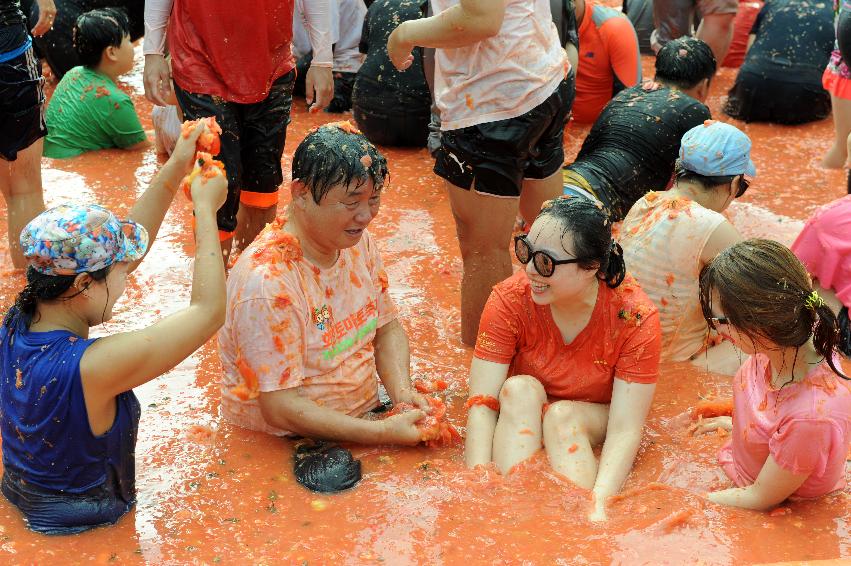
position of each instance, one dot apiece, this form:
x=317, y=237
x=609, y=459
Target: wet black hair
x=337, y=154
x=41, y=287
x=684, y=62
x=591, y=230
x=707, y=181
x=96, y=30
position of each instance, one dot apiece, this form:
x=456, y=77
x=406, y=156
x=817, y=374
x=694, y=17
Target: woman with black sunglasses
x=567, y=355
x=669, y=236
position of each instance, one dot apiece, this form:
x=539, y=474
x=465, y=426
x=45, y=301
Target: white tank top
x=662, y=239
x=504, y=76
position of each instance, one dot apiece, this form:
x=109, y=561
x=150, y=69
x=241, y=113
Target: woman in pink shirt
x=791, y=423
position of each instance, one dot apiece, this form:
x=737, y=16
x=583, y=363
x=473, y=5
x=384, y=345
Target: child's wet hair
x=42, y=287
x=706, y=181
x=591, y=229
x=98, y=29
x=765, y=292
x=684, y=62
x=337, y=154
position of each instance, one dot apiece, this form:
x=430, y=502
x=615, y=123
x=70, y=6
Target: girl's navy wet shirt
x=47, y=440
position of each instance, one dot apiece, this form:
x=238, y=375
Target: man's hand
x=399, y=49
x=319, y=87
x=157, y=78
x=415, y=398
x=402, y=428
x=46, y=15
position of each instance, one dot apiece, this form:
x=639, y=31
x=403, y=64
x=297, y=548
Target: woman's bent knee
x=521, y=392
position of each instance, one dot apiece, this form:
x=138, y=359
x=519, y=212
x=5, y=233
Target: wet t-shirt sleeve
x=271, y=349
x=638, y=361
x=803, y=446
x=499, y=329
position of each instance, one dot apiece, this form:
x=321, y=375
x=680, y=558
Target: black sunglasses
x=544, y=263
x=716, y=320
x=743, y=186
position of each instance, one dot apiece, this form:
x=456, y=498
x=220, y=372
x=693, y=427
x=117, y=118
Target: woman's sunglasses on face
x=743, y=186
x=544, y=263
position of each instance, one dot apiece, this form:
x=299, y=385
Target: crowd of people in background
x=626, y=257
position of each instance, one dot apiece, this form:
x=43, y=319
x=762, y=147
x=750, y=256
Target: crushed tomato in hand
x=209, y=141
x=435, y=430
x=206, y=167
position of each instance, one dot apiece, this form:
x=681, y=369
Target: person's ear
x=300, y=193
x=110, y=53
x=82, y=282
x=703, y=90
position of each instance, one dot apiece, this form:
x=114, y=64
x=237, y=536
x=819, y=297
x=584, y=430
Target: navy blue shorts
x=21, y=101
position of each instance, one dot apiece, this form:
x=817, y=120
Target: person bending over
x=504, y=92
x=780, y=80
x=310, y=321
x=823, y=247
x=88, y=111
x=609, y=60
x=632, y=147
x=567, y=355
x=686, y=222
x=69, y=416
x=791, y=423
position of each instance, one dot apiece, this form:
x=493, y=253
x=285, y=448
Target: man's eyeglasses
x=544, y=263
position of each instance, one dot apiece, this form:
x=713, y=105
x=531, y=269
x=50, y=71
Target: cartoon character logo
x=322, y=317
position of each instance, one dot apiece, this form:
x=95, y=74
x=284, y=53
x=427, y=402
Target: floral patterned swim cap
x=70, y=239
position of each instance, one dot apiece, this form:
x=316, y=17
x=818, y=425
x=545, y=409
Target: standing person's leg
x=20, y=183
x=483, y=224
x=22, y=132
x=837, y=154
x=716, y=25
x=229, y=117
x=264, y=132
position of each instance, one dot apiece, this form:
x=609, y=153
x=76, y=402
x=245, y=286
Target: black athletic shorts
x=499, y=155
x=253, y=137
x=755, y=98
x=21, y=100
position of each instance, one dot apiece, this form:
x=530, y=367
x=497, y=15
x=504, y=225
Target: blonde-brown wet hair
x=766, y=293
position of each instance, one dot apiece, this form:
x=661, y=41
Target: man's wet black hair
x=684, y=62
x=337, y=154
x=591, y=229
x=98, y=29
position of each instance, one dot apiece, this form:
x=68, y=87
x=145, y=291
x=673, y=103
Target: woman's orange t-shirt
x=622, y=339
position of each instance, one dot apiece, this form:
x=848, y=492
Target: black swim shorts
x=253, y=137
x=21, y=98
x=499, y=155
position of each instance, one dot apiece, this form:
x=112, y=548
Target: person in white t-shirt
x=504, y=95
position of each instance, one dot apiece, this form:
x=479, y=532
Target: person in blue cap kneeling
x=68, y=414
x=668, y=237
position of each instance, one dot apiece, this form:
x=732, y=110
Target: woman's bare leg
x=836, y=155
x=20, y=184
x=518, y=430
x=571, y=430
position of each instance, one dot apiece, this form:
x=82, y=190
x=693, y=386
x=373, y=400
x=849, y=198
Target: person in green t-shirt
x=88, y=111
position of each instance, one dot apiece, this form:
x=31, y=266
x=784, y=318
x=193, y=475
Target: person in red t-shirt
x=581, y=342
x=233, y=60
x=609, y=60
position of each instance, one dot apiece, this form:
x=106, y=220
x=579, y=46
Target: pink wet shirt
x=805, y=426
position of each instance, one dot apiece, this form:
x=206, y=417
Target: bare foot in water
x=834, y=158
